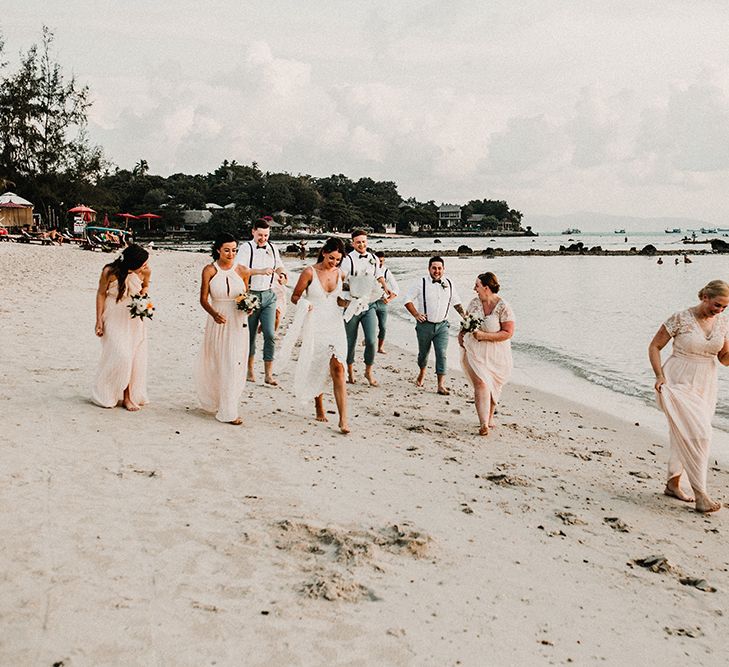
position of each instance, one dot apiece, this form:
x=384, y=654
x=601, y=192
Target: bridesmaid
x=486, y=352
x=220, y=374
x=686, y=388
x=121, y=376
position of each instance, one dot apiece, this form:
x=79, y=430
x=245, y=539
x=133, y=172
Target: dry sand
x=166, y=538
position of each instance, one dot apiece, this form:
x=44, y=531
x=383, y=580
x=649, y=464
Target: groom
x=366, y=280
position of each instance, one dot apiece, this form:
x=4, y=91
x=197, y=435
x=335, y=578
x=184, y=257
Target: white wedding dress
x=319, y=322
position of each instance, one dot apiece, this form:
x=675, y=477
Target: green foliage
x=227, y=221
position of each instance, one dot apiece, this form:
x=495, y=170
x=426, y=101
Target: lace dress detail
x=123, y=361
x=220, y=372
x=488, y=361
x=688, y=397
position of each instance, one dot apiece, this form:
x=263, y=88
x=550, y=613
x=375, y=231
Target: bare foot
x=706, y=505
x=321, y=417
x=236, y=422
x=673, y=489
x=371, y=380
x=444, y=391
x=344, y=428
x=250, y=377
x=130, y=405
x=272, y=381
x=350, y=379
x=492, y=424
x=483, y=430
x=381, y=351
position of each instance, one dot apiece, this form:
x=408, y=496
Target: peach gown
x=123, y=361
x=220, y=372
x=688, y=397
x=490, y=361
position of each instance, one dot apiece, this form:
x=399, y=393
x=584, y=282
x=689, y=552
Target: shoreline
x=165, y=536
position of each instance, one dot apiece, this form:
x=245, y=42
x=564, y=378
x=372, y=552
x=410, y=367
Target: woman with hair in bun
x=121, y=376
x=486, y=351
x=686, y=388
x=220, y=374
x=323, y=352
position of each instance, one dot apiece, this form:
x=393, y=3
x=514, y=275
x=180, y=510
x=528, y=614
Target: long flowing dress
x=320, y=324
x=688, y=396
x=123, y=361
x=220, y=372
x=490, y=361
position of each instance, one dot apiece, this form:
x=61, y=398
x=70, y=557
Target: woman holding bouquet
x=121, y=376
x=323, y=350
x=220, y=374
x=485, y=340
x=686, y=388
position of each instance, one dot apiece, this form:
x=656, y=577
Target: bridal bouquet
x=248, y=302
x=470, y=323
x=141, y=306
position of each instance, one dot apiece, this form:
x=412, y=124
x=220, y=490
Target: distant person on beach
x=430, y=300
x=302, y=249
x=486, y=351
x=380, y=305
x=121, y=376
x=686, y=259
x=220, y=370
x=660, y=260
x=260, y=253
x=686, y=388
x=362, y=273
x=319, y=323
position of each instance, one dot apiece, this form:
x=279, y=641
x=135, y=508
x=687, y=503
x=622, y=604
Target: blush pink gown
x=123, y=361
x=688, y=397
x=220, y=372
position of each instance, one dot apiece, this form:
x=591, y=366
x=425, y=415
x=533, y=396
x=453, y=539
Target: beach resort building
x=15, y=212
x=449, y=215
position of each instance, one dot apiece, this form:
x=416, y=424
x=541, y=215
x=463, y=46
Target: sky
x=555, y=106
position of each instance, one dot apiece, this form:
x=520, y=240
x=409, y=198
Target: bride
x=323, y=339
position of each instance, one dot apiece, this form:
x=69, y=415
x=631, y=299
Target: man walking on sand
x=429, y=300
x=380, y=305
x=260, y=253
x=366, y=283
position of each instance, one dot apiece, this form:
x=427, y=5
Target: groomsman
x=260, y=253
x=430, y=301
x=380, y=305
x=362, y=268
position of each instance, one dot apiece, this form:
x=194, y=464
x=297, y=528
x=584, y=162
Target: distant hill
x=604, y=222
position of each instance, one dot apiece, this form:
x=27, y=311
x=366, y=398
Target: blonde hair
x=713, y=289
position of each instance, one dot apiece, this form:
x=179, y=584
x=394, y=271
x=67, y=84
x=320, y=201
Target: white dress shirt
x=390, y=281
x=366, y=269
x=436, y=300
x=253, y=257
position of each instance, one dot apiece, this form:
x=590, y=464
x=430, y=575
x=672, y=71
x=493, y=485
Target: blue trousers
x=266, y=315
x=380, y=308
x=368, y=320
x=435, y=333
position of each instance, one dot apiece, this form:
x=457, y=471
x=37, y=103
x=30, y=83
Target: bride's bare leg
x=491, y=414
x=321, y=415
x=340, y=392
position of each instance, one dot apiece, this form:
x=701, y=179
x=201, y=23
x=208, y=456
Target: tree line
x=47, y=157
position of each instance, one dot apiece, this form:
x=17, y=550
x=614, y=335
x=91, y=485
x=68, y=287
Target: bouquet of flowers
x=141, y=306
x=470, y=323
x=248, y=302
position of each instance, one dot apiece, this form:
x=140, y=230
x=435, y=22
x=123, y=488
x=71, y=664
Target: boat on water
x=674, y=230
x=708, y=230
x=571, y=230
x=618, y=231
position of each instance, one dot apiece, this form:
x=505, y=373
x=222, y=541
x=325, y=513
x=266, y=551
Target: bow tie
x=260, y=247
x=363, y=256
x=437, y=281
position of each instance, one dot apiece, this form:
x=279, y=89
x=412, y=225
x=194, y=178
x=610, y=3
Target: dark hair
x=380, y=254
x=220, y=240
x=435, y=259
x=358, y=232
x=262, y=223
x=490, y=280
x=131, y=258
x=332, y=244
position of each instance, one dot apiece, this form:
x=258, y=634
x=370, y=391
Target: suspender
x=273, y=252
x=351, y=262
x=450, y=297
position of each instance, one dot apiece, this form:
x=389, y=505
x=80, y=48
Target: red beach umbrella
x=149, y=217
x=81, y=209
x=127, y=217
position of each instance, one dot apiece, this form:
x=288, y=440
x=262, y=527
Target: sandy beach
x=166, y=538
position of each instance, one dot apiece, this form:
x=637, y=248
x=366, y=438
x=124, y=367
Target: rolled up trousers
x=435, y=333
x=368, y=320
x=266, y=316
